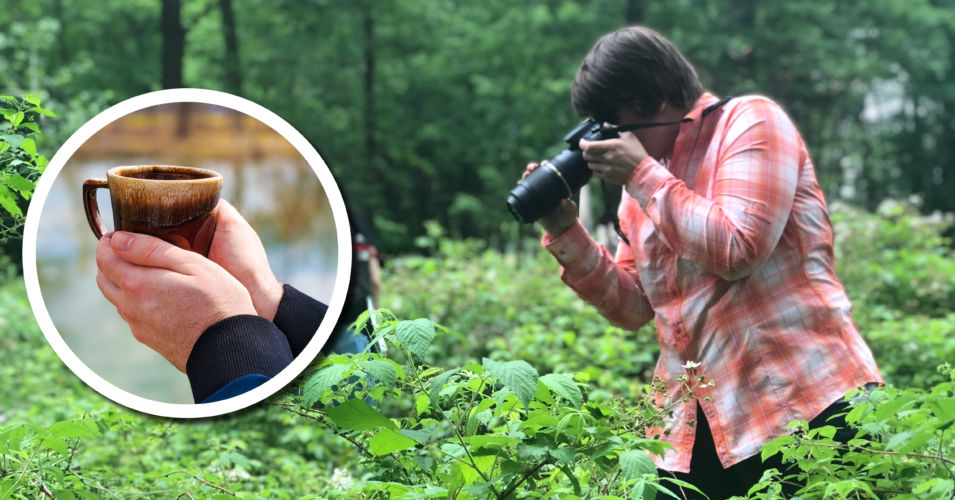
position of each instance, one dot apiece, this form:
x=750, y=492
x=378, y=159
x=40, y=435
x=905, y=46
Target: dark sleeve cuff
x=233, y=348
x=298, y=316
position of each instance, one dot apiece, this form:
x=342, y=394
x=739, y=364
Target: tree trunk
x=369, y=88
x=173, y=44
x=233, y=70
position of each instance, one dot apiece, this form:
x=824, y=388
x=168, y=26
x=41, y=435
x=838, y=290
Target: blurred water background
x=264, y=177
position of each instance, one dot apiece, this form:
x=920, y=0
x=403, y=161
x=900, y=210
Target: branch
x=523, y=478
x=46, y=491
x=882, y=452
x=321, y=419
x=203, y=481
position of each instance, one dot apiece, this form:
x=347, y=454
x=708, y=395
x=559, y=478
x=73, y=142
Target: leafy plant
x=495, y=429
x=20, y=165
x=902, y=448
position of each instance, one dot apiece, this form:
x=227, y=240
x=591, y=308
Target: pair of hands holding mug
x=169, y=296
x=612, y=160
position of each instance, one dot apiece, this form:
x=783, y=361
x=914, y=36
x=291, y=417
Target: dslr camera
x=562, y=176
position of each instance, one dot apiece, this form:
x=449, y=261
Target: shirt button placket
x=681, y=338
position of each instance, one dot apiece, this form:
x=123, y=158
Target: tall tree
x=233, y=70
x=173, y=44
x=368, y=26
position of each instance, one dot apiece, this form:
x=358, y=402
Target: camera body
x=540, y=192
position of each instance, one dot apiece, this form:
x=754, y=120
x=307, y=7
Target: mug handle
x=92, y=209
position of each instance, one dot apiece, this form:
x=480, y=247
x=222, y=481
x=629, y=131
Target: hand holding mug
x=167, y=295
x=237, y=248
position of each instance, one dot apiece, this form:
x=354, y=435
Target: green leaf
x=529, y=452
x=564, y=386
x=641, y=492
x=908, y=441
x=9, y=203
x=31, y=126
x=517, y=376
x=357, y=415
x=22, y=185
x=421, y=435
x=635, y=463
x=322, y=380
x=387, y=441
x=14, y=140
x=422, y=403
x=437, y=383
x=29, y=146
x=75, y=429
x=679, y=482
x=383, y=371
x=488, y=441
x=416, y=335
x=564, y=454
x=42, y=111
x=56, y=444
x=539, y=420
x=773, y=447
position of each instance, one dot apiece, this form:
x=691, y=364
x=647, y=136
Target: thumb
x=149, y=251
x=227, y=217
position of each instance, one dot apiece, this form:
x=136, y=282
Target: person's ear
x=664, y=107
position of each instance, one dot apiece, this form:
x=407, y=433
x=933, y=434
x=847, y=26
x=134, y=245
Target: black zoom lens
x=541, y=191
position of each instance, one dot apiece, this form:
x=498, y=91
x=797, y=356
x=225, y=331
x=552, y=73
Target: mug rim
x=211, y=175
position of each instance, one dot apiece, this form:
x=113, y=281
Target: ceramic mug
x=170, y=202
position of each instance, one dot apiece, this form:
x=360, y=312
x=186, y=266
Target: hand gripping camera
x=541, y=191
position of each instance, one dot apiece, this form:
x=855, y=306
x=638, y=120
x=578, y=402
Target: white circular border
x=100, y=384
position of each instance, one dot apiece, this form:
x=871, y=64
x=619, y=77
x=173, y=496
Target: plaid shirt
x=731, y=252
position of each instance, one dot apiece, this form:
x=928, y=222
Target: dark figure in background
x=363, y=289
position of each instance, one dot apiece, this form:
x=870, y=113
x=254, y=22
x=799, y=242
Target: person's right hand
x=562, y=217
x=167, y=295
x=237, y=248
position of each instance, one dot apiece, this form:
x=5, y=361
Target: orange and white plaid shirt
x=731, y=251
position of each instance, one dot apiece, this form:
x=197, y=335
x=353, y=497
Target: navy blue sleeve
x=232, y=349
x=298, y=317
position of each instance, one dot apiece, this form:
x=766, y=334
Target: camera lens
x=541, y=191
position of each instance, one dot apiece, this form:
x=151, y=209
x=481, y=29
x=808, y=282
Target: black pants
x=707, y=474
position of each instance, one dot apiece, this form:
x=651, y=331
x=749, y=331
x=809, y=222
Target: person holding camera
x=727, y=245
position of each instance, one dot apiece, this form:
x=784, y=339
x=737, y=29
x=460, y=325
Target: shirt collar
x=702, y=103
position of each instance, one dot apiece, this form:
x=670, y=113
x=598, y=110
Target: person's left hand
x=167, y=295
x=613, y=160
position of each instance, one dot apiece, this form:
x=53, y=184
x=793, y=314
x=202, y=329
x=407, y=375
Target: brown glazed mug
x=169, y=202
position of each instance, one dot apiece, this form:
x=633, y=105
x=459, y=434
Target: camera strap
x=615, y=219
x=638, y=126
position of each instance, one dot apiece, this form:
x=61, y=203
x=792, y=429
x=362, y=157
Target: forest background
x=427, y=112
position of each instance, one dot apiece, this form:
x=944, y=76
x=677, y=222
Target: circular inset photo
x=187, y=253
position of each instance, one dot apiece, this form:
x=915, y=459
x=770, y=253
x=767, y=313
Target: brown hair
x=636, y=67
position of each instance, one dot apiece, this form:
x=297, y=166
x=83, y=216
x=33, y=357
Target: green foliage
x=492, y=430
x=896, y=258
x=57, y=434
x=20, y=165
x=900, y=449
x=514, y=305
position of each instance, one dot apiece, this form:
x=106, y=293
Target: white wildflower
x=689, y=365
x=342, y=479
